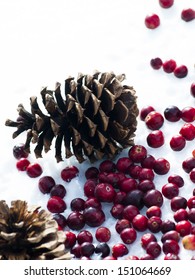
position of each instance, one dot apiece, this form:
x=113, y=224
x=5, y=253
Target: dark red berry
x=22, y=164
x=119, y=198
x=137, y=153
x=153, y=198
x=156, y=63
x=45, y=184
x=191, y=202
x=146, y=174
x=171, y=246
x=135, y=198
x=117, y=211
x=188, y=131
x=76, y=251
x=92, y=202
x=192, y=89
x=178, y=202
x=176, y=179
x=192, y=175
x=191, y=215
x=145, y=111
x=153, y=249
x=170, y=190
x=148, y=162
x=103, y=234
x=146, y=185
x=56, y=204
x=167, y=225
x=19, y=151
x=152, y=21
x=58, y=190
x=70, y=240
x=181, y=71
x=154, y=224
x=130, y=211
x=75, y=220
x=119, y=250
x=123, y=164
x=60, y=219
x=84, y=236
x=146, y=238
x=103, y=249
x=180, y=215
x=177, y=142
x=128, y=184
x=188, y=14
x=107, y=166
x=87, y=249
x=34, y=170
x=140, y=222
x=105, y=192
x=93, y=217
x=153, y=211
x=91, y=173
x=172, y=113
x=166, y=3
x=128, y=235
x=170, y=235
x=134, y=170
x=183, y=227
x=169, y=66
x=161, y=166
x=188, y=114
x=77, y=204
x=89, y=187
x=121, y=225
x=188, y=164
x=154, y=120
x=155, y=139
x=69, y=172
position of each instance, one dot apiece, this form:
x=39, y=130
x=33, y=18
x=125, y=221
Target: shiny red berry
x=145, y=111
x=69, y=172
x=177, y=142
x=183, y=227
x=181, y=71
x=137, y=153
x=188, y=131
x=152, y=21
x=119, y=250
x=170, y=190
x=104, y=192
x=192, y=89
x=146, y=238
x=154, y=120
x=176, y=179
x=155, y=139
x=70, y=240
x=188, y=114
x=75, y=220
x=156, y=63
x=122, y=224
x=84, y=236
x=172, y=113
x=56, y=204
x=34, y=170
x=161, y=166
x=140, y=222
x=128, y=235
x=93, y=217
x=154, y=249
x=22, y=164
x=103, y=234
x=169, y=66
x=45, y=184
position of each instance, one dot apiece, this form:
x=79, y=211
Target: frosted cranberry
x=170, y=190
x=69, y=172
x=128, y=235
x=103, y=234
x=89, y=187
x=146, y=257
x=153, y=249
x=188, y=131
x=176, y=179
x=60, y=219
x=107, y=166
x=93, y=217
x=169, y=66
x=119, y=250
x=152, y=21
x=171, y=257
x=154, y=224
x=103, y=249
x=192, y=175
x=188, y=14
x=34, y=170
x=77, y=204
x=153, y=211
x=135, y=198
x=183, y=227
x=146, y=185
x=166, y=3
x=123, y=164
x=188, y=164
x=188, y=114
x=170, y=235
x=84, y=236
x=178, y=202
x=140, y=222
x=177, y=142
x=145, y=111
x=191, y=215
x=22, y=164
x=119, y=198
x=146, y=238
x=181, y=71
x=122, y=224
x=93, y=202
x=156, y=63
x=91, y=173
x=104, y=192
x=75, y=220
x=137, y=153
x=171, y=246
x=70, y=240
x=130, y=211
x=134, y=170
x=146, y=173
x=191, y=202
x=128, y=184
x=19, y=151
x=154, y=120
x=58, y=190
x=180, y=214
x=192, y=89
x=148, y=162
x=153, y=198
x=161, y=166
x=56, y=204
x=117, y=211
x=87, y=249
x=167, y=225
x=155, y=139
x=172, y=113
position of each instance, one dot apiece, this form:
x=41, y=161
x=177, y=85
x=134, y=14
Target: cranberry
x=171, y=256
x=22, y=164
x=148, y=162
x=103, y=234
x=92, y=202
x=75, y=220
x=192, y=175
x=104, y=192
x=70, y=240
x=58, y=190
x=117, y=211
x=180, y=215
x=69, y=172
x=155, y=139
x=167, y=225
x=176, y=179
x=169, y=66
x=145, y=111
x=188, y=114
x=146, y=238
x=137, y=153
x=128, y=184
x=177, y=142
x=172, y=114
x=123, y=164
x=93, y=217
x=170, y=235
x=188, y=164
x=171, y=246
x=146, y=173
x=183, y=227
x=181, y=71
x=56, y=204
x=146, y=257
x=191, y=202
x=156, y=63
x=154, y=224
x=87, y=249
x=77, y=204
x=188, y=131
x=146, y=185
x=91, y=173
x=119, y=250
x=154, y=120
x=76, y=251
x=178, y=202
x=153, y=198
x=153, y=249
x=119, y=198
x=192, y=89
x=153, y=211
x=188, y=14
x=89, y=187
x=166, y=3
x=161, y=166
x=135, y=198
x=113, y=178
x=107, y=166
x=103, y=249
x=19, y=151
x=152, y=21
x=134, y=170
x=128, y=235
x=122, y=224
x=34, y=170
x=140, y=222
x=129, y=212
x=60, y=219
x=170, y=190
x=191, y=215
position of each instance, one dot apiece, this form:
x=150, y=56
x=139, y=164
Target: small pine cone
x=29, y=234
x=96, y=119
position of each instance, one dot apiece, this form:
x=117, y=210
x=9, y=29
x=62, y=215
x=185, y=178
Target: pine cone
x=97, y=118
x=29, y=234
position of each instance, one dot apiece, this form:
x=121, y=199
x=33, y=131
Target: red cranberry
x=192, y=175
x=140, y=222
x=156, y=63
x=146, y=174
x=94, y=217
x=166, y=3
x=192, y=89
x=146, y=185
x=152, y=21
x=167, y=225
x=91, y=173
x=154, y=120
x=188, y=114
x=56, y=204
x=122, y=224
x=137, y=153
x=77, y=204
x=146, y=238
x=92, y=202
x=117, y=211
x=119, y=198
x=134, y=170
x=87, y=249
x=181, y=71
x=60, y=219
x=188, y=131
x=103, y=249
x=119, y=250
x=191, y=202
x=191, y=215
x=75, y=220
x=178, y=202
x=89, y=187
x=153, y=249
x=76, y=251
x=171, y=246
x=146, y=257
x=70, y=240
x=129, y=212
x=145, y=111
x=110, y=258
x=22, y=164
x=161, y=166
x=113, y=179
x=148, y=162
x=84, y=236
x=58, y=190
x=171, y=256
x=132, y=258
x=154, y=224
x=188, y=14
x=176, y=179
x=123, y=164
x=153, y=211
x=19, y=151
x=153, y=198
x=180, y=215
x=69, y=172
x=135, y=198
x=177, y=142
x=128, y=235
x=188, y=164
x=155, y=139
x=170, y=235
x=172, y=114
x=103, y=234
x=105, y=192
x=107, y=166
x=183, y=227
x=169, y=66
x=34, y=170
x=170, y=190
x=128, y=184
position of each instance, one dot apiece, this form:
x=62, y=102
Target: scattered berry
x=188, y=14
x=161, y=166
x=172, y=113
x=181, y=71
x=45, y=184
x=93, y=217
x=119, y=250
x=128, y=235
x=69, y=172
x=166, y=3
x=75, y=220
x=137, y=153
x=169, y=66
x=152, y=21
x=56, y=205
x=22, y=164
x=156, y=63
x=154, y=120
x=188, y=131
x=145, y=111
x=177, y=142
x=103, y=234
x=34, y=170
x=188, y=114
x=155, y=139
x=153, y=249
x=19, y=151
